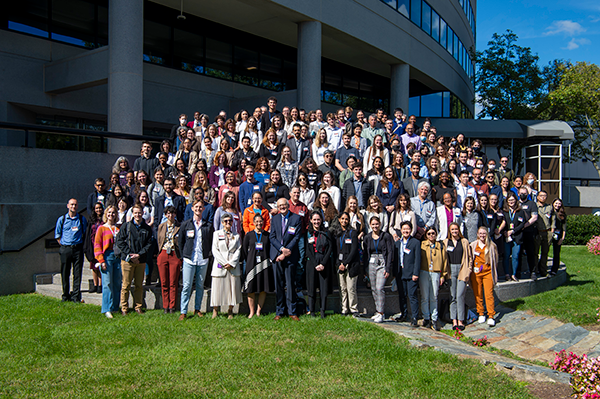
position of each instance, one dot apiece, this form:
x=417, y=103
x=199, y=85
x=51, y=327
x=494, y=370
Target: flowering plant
x=585, y=373
x=462, y=337
x=481, y=341
x=593, y=245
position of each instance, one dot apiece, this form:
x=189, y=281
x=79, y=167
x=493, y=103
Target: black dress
x=259, y=271
x=319, y=248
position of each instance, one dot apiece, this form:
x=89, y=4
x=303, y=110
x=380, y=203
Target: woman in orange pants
x=484, y=276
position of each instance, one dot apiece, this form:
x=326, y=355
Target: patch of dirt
x=549, y=390
x=592, y=327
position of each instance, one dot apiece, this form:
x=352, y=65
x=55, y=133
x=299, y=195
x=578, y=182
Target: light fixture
x=181, y=16
x=251, y=68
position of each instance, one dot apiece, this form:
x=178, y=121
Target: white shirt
x=335, y=194
x=334, y=137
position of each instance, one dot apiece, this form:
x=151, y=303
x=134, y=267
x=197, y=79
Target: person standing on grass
x=460, y=258
x=559, y=224
x=134, y=241
x=377, y=259
x=319, y=270
x=195, y=243
x=169, y=259
x=108, y=263
x=407, y=275
x=70, y=232
x=226, y=287
x=347, y=263
x=259, y=271
x=434, y=271
x=484, y=276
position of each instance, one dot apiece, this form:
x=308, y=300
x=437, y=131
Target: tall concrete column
x=400, y=77
x=309, y=65
x=125, y=72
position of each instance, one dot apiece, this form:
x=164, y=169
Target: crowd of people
x=296, y=202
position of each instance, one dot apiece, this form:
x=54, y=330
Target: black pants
x=322, y=281
x=71, y=256
x=555, y=256
x=529, y=247
x=408, y=287
x=285, y=277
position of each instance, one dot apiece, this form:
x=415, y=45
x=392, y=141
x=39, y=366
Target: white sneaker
x=481, y=319
x=109, y=315
x=376, y=315
x=378, y=318
x=491, y=322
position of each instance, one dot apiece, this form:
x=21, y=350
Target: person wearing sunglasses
x=434, y=271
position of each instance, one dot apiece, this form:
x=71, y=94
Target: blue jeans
x=511, y=248
x=111, y=283
x=430, y=285
x=189, y=272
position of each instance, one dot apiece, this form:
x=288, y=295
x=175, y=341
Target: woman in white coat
x=226, y=283
x=446, y=215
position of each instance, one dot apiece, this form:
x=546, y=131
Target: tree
x=576, y=100
x=509, y=82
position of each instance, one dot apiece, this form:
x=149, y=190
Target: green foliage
x=576, y=99
x=576, y=300
x=509, y=82
x=66, y=350
x=580, y=228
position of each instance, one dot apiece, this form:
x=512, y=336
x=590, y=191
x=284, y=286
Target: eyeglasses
x=431, y=233
x=227, y=221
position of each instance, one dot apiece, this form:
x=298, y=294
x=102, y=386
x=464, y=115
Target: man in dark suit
x=407, y=274
x=170, y=198
x=267, y=117
x=412, y=182
x=299, y=147
x=285, y=231
x=358, y=186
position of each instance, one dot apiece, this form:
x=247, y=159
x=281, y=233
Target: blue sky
x=553, y=29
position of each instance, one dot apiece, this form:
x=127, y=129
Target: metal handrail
x=29, y=127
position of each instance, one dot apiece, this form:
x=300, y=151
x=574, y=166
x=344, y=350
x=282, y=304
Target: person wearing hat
x=329, y=166
x=344, y=152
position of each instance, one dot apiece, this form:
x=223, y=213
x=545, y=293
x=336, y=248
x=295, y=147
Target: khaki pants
x=348, y=292
x=132, y=271
x=543, y=241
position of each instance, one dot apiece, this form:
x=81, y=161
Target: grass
x=576, y=300
x=66, y=350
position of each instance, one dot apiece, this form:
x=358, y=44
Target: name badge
x=101, y=198
x=456, y=211
x=450, y=249
x=326, y=224
x=272, y=189
x=225, y=190
x=267, y=181
x=259, y=246
x=548, y=215
x=520, y=219
x=292, y=230
x=512, y=226
x=384, y=190
x=341, y=257
x=274, y=153
x=221, y=236
x=249, y=201
x=257, y=259
x=236, y=217
x=305, y=148
x=157, y=189
x=407, y=251
x=75, y=228
x=525, y=207
x=257, y=188
x=490, y=216
x=311, y=240
x=476, y=269
x=477, y=253
x=190, y=233
x=348, y=241
x=301, y=213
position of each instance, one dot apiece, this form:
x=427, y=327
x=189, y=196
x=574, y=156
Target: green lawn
x=576, y=300
x=54, y=349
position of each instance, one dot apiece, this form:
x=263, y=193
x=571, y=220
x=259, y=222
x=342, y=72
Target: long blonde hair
x=488, y=244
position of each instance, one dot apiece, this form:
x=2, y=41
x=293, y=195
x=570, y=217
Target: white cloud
x=575, y=43
x=567, y=27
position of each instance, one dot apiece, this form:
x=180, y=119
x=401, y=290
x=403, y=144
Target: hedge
x=580, y=228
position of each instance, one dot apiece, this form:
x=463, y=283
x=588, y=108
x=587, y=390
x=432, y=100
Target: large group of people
x=296, y=203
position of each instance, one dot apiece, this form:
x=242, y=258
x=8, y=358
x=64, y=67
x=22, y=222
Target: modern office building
x=133, y=66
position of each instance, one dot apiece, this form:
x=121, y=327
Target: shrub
x=593, y=245
x=581, y=228
x=585, y=372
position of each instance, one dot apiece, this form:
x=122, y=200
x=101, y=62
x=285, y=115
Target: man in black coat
x=407, y=274
x=351, y=185
x=171, y=198
x=100, y=195
x=299, y=147
x=245, y=152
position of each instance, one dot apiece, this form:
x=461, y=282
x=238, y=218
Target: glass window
x=157, y=38
x=245, y=63
x=391, y=3
x=450, y=44
x=435, y=26
x=456, y=43
x=404, y=7
x=74, y=22
x=188, y=50
x=102, y=26
x=270, y=72
x=415, y=11
x=446, y=104
x=443, y=28
x=218, y=59
x=30, y=16
x=426, y=18
x=431, y=105
x=414, y=106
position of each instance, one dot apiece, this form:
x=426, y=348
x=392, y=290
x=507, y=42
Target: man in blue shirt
x=345, y=150
x=247, y=188
x=70, y=232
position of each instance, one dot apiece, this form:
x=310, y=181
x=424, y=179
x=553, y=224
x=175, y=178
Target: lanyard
x=511, y=214
x=376, y=243
x=343, y=237
x=258, y=237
